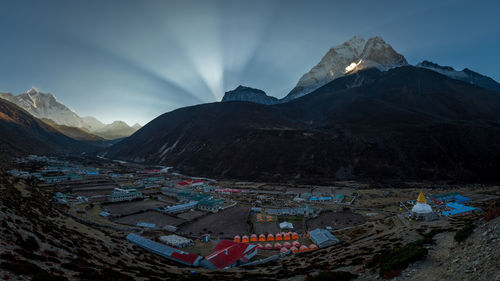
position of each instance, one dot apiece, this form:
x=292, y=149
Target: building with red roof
x=183, y=183
x=196, y=182
x=229, y=254
x=153, y=171
x=189, y=182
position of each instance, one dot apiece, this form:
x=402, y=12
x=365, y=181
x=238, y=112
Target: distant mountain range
x=349, y=57
x=466, y=75
x=73, y=132
x=45, y=106
x=21, y=133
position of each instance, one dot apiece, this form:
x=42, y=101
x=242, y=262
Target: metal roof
x=184, y=206
x=321, y=198
x=165, y=251
x=321, y=236
x=228, y=252
x=457, y=209
x=145, y=224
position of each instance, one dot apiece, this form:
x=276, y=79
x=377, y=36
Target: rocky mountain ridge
x=349, y=57
x=352, y=55
x=22, y=133
x=45, y=106
x=465, y=75
x=242, y=93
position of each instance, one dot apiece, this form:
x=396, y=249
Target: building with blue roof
x=460, y=198
x=146, y=225
x=456, y=209
x=320, y=198
x=450, y=197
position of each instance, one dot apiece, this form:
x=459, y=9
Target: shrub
x=493, y=213
x=393, y=261
x=27, y=268
x=464, y=232
x=392, y=273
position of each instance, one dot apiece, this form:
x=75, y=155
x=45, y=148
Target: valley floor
x=42, y=239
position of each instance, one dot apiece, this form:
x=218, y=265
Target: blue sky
x=134, y=60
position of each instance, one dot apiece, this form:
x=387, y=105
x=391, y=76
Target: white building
x=120, y=194
x=181, y=207
x=421, y=209
x=286, y=225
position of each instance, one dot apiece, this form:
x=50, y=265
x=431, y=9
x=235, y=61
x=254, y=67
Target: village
x=220, y=224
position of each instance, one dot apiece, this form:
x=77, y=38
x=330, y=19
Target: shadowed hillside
x=22, y=133
x=408, y=122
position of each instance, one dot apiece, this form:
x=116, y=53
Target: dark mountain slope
x=414, y=95
x=21, y=133
x=206, y=134
x=466, y=75
x=404, y=123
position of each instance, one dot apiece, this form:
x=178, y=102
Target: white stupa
x=421, y=209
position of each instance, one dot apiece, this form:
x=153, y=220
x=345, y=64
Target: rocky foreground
x=39, y=242
x=478, y=258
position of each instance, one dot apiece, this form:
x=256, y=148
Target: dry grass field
x=337, y=220
x=226, y=223
x=155, y=217
x=130, y=207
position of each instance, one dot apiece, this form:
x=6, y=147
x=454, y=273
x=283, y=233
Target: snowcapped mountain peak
x=382, y=54
x=33, y=91
x=466, y=75
x=46, y=106
x=43, y=105
x=356, y=44
x=353, y=55
x=119, y=123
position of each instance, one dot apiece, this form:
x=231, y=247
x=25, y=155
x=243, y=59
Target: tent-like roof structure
x=313, y=247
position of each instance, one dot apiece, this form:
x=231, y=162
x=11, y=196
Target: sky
x=135, y=60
